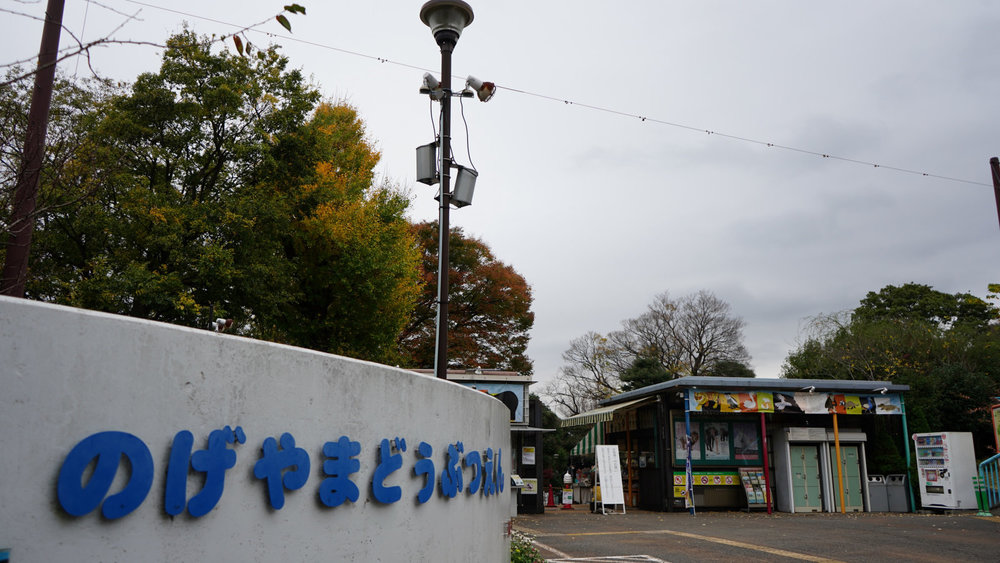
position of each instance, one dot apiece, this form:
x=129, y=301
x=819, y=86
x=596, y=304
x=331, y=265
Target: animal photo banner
x=801, y=402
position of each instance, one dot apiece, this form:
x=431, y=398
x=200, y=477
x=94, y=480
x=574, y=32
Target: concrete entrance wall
x=78, y=386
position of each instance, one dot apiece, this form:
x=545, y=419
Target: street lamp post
x=447, y=19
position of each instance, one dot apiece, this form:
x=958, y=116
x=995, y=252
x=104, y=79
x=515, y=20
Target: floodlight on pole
x=484, y=90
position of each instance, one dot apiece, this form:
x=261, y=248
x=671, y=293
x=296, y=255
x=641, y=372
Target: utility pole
x=995, y=168
x=22, y=221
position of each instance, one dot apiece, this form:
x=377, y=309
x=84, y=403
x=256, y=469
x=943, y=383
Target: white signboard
x=610, y=473
x=528, y=456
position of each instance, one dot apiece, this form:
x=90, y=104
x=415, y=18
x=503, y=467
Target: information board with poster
x=996, y=423
x=754, y=486
x=530, y=487
x=510, y=394
x=609, y=474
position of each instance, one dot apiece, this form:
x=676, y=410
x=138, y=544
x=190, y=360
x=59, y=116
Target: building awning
x=530, y=429
x=595, y=437
x=604, y=414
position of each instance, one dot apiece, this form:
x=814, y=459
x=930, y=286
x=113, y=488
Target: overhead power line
x=566, y=101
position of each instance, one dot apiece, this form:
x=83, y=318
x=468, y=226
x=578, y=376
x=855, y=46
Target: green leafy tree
x=212, y=193
x=71, y=117
x=173, y=231
x=914, y=301
x=942, y=345
x=489, y=312
x=730, y=368
x=643, y=372
x=354, y=262
x=17, y=225
x=557, y=445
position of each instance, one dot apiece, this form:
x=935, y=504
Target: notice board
x=609, y=471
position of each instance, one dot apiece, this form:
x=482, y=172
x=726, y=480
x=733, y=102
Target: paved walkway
x=638, y=535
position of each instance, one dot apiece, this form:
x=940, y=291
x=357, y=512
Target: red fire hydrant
x=567, y=496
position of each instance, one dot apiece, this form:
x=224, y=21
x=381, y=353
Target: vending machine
x=946, y=464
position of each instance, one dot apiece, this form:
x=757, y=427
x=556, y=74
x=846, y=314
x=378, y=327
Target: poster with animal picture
x=729, y=402
x=996, y=425
x=718, y=401
x=813, y=403
x=794, y=402
x=888, y=404
x=680, y=441
x=716, y=438
x=746, y=441
x=707, y=401
x=765, y=402
x=852, y=404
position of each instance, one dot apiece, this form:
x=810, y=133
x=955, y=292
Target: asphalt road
x=578, y=535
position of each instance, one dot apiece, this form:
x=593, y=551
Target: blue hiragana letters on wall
x=213, y=462
x=273, y=464
x=282, y=465
x=338, y=487
x=499, y=469
x=388, y=463
x=451, y=475
x=488, y=473
x=425, y=467
x=108, y=448
x=472, y=459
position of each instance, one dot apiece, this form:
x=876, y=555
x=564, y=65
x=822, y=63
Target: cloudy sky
x=600, y=209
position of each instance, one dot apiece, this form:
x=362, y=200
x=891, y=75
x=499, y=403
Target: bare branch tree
x=650, y=336
x=588, y=377
x=706, y=333
x=81, y=48
x=688, y=336
x=685, y=336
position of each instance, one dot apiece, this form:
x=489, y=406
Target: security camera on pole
x=447, y=19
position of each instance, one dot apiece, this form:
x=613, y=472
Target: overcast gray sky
x=600, y=210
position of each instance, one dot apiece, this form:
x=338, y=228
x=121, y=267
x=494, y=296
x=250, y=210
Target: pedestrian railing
x=988, y=485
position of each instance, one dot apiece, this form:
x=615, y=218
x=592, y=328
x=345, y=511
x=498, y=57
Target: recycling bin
x=877, y=494
x=896, y=491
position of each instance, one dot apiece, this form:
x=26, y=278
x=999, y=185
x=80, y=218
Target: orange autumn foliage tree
x=489, y=313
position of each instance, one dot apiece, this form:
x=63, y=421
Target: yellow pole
x=840, y=470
